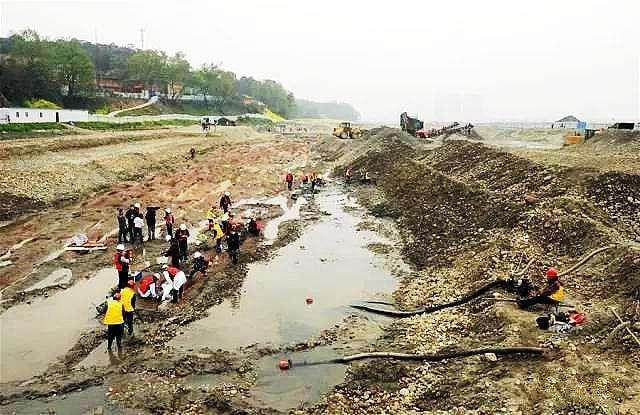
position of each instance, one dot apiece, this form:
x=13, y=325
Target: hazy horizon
x=488, y=61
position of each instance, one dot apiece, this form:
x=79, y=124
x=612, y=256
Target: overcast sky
x=442, y=60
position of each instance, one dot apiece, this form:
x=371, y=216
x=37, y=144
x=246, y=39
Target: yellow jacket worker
x=128, y=300
x=114, y=319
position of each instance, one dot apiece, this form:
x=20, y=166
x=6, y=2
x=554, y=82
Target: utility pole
x=142, y=38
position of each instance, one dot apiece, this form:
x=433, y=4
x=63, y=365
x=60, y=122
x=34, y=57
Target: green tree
x=177, y=74
x=28, y=70
x=225, y=87
x=74, y=67
x=148, y=67
x=205, y=80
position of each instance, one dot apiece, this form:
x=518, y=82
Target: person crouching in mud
x=552, y=294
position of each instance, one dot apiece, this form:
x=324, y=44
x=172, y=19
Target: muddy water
x=290, y=207
x=329, y=265
x=284, y=389
x=33, y=335
x=77, y=403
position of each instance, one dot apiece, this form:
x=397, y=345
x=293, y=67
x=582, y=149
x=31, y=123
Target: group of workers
x=170, y=283
x=131, y=224
x=310, y=180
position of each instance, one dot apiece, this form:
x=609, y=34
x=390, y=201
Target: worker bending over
x=200, y=264
x=552, y=294
x=147, y=286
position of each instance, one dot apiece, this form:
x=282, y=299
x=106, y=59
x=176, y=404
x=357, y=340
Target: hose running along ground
x=434, y=357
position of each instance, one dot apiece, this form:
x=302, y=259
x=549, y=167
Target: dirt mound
x=616, y=137
x=495, y=169
x=13, y=205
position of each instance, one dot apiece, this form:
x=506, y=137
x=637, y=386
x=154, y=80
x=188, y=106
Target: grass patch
x=138, y=125
x=29, y=127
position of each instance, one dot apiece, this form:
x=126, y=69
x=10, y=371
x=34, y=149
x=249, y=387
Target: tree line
x=66, y=72
x=32, y=67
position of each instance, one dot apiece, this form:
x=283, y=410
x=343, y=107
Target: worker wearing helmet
x=552, y=294
x=121, y=260
x=225, y=202
x=182, y=235
x=173, y=251
x=128, y=300
x=114, y=319
x=147, y=286
x=200, y=264
x=178, y=279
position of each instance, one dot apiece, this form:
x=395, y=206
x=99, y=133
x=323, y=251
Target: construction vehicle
x=345, y=130
x=577, y=137
x=410, y=125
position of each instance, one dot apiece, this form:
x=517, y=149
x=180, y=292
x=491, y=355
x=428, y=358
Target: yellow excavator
x=578, y=137
x=344, y=130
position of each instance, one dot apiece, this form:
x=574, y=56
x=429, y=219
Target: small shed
x=569, y=121
x=35, y=115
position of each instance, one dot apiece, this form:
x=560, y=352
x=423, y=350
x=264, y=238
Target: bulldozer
x=344, y=130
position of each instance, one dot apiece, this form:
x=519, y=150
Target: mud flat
x=34, y=335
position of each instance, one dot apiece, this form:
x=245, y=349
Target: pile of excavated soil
x=469, y=214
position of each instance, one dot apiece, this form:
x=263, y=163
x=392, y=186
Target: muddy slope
x=471, y=213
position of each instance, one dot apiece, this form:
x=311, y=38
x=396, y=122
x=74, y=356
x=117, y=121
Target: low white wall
x=36, y=115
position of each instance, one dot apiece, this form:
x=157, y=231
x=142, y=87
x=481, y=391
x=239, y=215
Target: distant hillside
x=333, y=110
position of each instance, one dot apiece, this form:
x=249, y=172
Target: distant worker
x=121, y=261
x=147, y=286
x=289, y=180
x=225, y=202
x=130, y=215
x=150, y=218
x=217, y=234
x=552, y=294
x=128, y=300
x=173, y=251
x=200, y=264
x=122, y=227
x=169, y=220
x=348, y=175
x=114, y=319
x=233, y=243
x=182, y=235
x=192, y=153
x=138, y=225
x=252, y=227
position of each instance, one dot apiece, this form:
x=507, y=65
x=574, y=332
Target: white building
x=31, y=115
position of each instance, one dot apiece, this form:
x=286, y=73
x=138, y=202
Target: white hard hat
x=183, y=227
x=137, y=205
x=168, y=210
x=167, y=238
x=165, y=266
x=157, y=275
x=227, y=193
x=120, y=247
x=197, y=254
